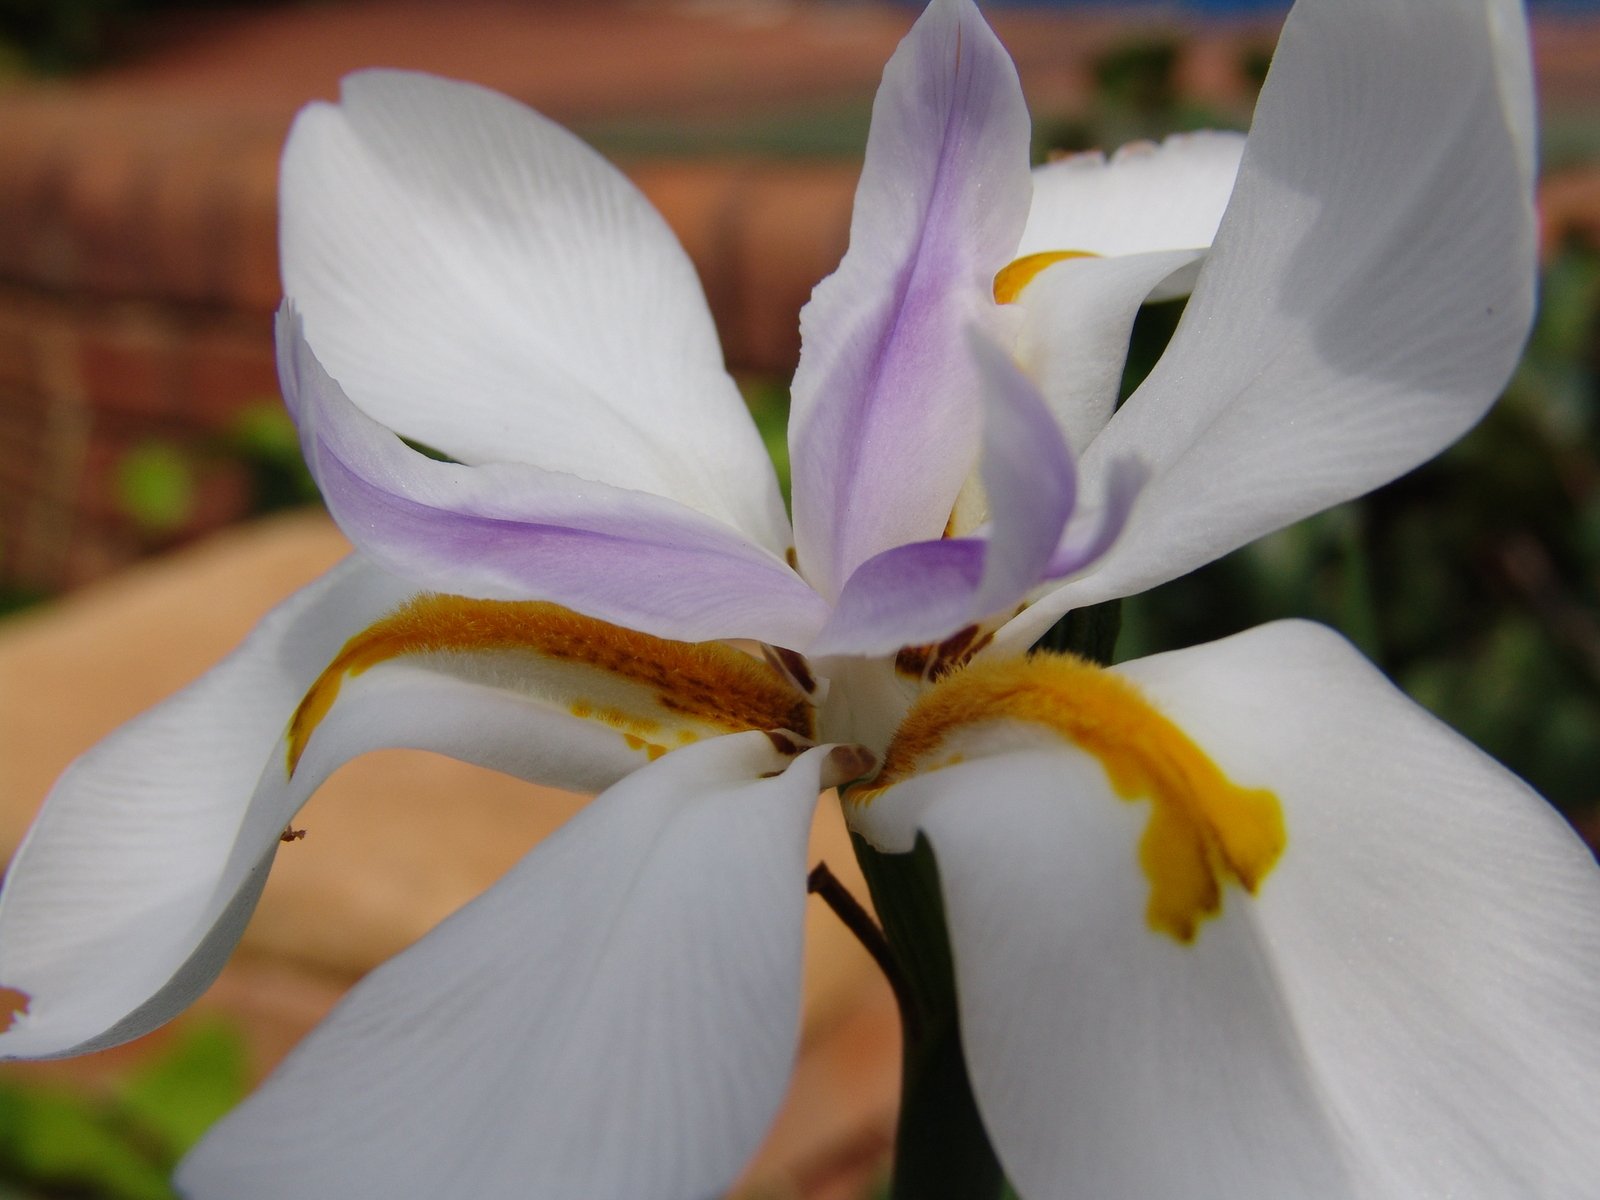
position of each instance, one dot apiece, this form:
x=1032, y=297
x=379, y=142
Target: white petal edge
x=1077, y=320
x=119, y=860
x=616, y=1017
x=1146, y=197
x=485, y=283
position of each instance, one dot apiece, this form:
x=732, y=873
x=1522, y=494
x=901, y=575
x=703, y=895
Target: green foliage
x=768, y=401
x=264, y=439
x=53, y=36
x=155, y=486
x=60, y=1142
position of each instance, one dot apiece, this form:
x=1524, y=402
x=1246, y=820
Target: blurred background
x=152, y=501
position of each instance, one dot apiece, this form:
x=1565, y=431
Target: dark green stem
x=1089, y=633
x=941, y=1150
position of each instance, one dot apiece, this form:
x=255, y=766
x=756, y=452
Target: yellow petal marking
x=649, y=682
x=1203, y=828
x=1012, y=278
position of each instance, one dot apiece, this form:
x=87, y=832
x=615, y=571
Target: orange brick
x=223, y=370
x=19, y=368
x=250, y=259
x=794, y=226
x=700, y=201
x=189, y=224
x=104, y=197
x=126, y=364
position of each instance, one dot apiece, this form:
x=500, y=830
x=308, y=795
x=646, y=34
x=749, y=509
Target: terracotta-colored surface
x=395, y=840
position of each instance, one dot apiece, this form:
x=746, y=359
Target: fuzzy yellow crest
x=1203, y=828
x=656, y=693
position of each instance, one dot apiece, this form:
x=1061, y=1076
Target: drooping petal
x=481, y=281
x=616, y=1017
x=119, y=864
x=885, y=423
x=926, y=591
x=1400, y=1002
x=513, y=531
x=149, y=856
x=1365, y=299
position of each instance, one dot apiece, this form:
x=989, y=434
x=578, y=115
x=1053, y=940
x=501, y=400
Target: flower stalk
x=941, y=1147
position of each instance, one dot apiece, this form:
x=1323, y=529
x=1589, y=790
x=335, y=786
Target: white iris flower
x=1237, y=921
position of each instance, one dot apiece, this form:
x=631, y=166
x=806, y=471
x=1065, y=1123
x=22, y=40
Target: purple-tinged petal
x=925, y=591
x=1028, y=475
x=507, y=531
x=886, y=422
x=481, y=281
x=917, y=593
x=1093, y=531
x=615, y=1018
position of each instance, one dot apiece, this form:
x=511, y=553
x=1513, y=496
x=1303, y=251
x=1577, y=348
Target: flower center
x=1203, y=828
x=656, y=693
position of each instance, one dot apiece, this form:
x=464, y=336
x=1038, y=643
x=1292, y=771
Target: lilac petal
x=479, y=280
x=1093, y=533
x=925, y=591
x=911, y=595
x=885, y=427
x=504, y=531
x=1028, y=475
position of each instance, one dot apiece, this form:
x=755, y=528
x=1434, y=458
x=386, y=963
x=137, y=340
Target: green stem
x=1090, y=633
x=941, y=1149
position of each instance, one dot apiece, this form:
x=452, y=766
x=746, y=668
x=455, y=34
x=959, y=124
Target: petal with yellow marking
x=1203, y=830
x=654, y=693
x=1016, y=275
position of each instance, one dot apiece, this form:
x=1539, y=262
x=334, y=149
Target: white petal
x=1077, y=320
x=483, y=282
x=1434, y=926
x=1147, y=197
x=1366, y=296
x=1408, y=1007
x=1107, y=1060
x=101, y=902
x=615, y=1018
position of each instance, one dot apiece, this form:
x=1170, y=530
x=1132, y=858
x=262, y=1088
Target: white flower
x=1234, y=921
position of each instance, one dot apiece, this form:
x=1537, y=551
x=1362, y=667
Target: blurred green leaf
x=183, y=1093
x=156, y=486
x=51, y=1138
